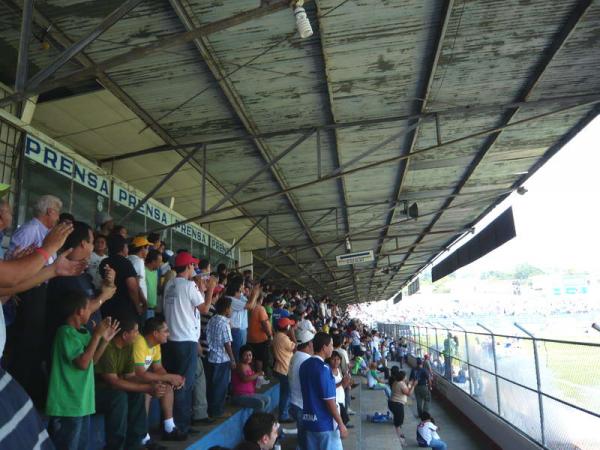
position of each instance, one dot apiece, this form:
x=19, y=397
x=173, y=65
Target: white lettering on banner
x=151, y=210
x=65, y=165
x=86, y=176
x=192, y=231
x=218, y=245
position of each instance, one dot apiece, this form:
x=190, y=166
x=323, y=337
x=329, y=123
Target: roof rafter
x=237, y=105
x=420, y=108
x=62, y=41
x=329, y=105
x=537, y=73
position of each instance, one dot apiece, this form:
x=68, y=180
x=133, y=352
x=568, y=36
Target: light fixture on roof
x=521, y=190
x=412, y=211
x=348, y=244
x=302, y=22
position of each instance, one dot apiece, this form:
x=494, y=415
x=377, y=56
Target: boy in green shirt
x=152, y=263
x=71, y=399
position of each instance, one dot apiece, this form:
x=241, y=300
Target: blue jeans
x=238, y=336
x=296, y=413
x=181, y=358
x=124, y=418
x=70, y=433
x=383, y=387
x=217, y=388
x=438, y=444
x=258, y=402
x=323, y=440
x=284, y=396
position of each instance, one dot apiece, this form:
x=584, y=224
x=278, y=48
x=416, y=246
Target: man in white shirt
x=183, y=304
x=303, y=352
x=240, y=306
x=137, y=255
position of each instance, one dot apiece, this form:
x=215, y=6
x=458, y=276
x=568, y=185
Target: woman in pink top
x=243, y=384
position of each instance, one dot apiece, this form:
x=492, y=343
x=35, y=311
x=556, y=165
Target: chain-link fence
x=548, y=389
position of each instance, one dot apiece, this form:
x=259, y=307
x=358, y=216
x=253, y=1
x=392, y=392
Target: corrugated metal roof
x=368, y=60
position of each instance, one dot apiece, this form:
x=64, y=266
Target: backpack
x=420, y=440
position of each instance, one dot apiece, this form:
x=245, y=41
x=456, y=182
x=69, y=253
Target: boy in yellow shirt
x=148, y=368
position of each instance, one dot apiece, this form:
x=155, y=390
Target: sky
x=558, y=219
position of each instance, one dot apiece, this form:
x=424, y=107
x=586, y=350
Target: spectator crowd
x=97, y=322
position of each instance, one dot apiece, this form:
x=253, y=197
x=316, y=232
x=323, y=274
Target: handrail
x=419, y=344
x=511, y=336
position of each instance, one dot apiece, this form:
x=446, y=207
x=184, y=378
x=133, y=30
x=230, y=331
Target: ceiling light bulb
x=348, y=244
x=302, y=23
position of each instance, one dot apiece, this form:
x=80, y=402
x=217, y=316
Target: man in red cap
x=283, y=349
x=183, y=304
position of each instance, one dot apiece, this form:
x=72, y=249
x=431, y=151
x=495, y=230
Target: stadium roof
x=447, y=104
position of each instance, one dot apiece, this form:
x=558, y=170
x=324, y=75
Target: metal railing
x=548, y=389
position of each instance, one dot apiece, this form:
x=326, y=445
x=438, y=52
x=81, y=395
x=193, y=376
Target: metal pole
x=419, y=351
x=161, y=183
x=495, y=365
x=23, y=59
x=78, y=46
x=438, y=132
x=427, y=338
x=437, y=345
x=374, y=148
x=264, y=168
x=319, y=154
x=204, y=180
x=468, y=359
x=267, y=239
x=538, y=379
x=244, y=235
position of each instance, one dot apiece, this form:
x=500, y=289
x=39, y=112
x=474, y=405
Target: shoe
x=352, y=397
x=151, y=445
x=286, y=421
x=351, y=412
x=205, y=421
x=175, y=435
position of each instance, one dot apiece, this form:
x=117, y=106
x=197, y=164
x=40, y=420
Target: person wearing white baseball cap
x=304, y=351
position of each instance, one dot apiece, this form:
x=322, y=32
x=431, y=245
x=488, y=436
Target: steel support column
x=468, y=356
x=204, y=169
x=495, y=366
x=23, y=58
x=254, y=225
x=538, y=380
